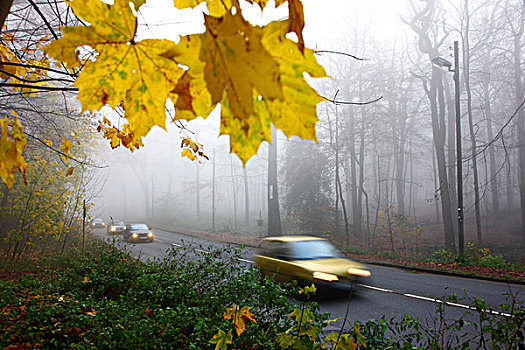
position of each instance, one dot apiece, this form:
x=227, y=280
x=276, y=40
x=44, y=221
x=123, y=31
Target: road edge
x=366, y=261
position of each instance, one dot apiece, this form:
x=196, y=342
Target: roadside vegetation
x=187, y=300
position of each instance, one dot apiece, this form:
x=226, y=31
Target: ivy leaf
x=343, y=341
x=13, y=142
x=239, y=317
x=140, y=73
x=222, y=340
x=308, y=290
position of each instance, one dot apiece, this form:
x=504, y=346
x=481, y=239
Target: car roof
x=293, y=238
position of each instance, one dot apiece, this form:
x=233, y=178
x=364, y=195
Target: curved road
x=389, y=292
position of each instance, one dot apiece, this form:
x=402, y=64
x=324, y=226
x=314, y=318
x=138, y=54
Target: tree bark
x=274, y=216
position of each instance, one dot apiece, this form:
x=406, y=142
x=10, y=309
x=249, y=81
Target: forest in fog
x=383, y=175
x=384, y=171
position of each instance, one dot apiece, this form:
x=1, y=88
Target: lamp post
x=440, y=61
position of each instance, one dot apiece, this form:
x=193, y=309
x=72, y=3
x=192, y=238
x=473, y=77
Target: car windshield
x=314, y=249
x=118, y=223
x=97, y=220
x=139, y=227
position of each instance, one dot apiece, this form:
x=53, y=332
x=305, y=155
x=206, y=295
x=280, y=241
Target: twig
x=352, y=103
x=63, y=154
x=320, y=52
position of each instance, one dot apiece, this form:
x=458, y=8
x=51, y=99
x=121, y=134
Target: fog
x=394, y=160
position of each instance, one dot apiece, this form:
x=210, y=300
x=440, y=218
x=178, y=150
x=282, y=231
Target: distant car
x=116, y=227
x=98, y=223
x=138, y=233
x=306, y=259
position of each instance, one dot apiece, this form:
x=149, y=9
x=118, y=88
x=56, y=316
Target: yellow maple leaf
x=239, y=317
x=192, y=149
x=296, y=15
x=191, y=96
x=141, y=73
x=65, y=147
x=216, y=8
x=13, y=142
x=237, y=63
x=188, y=154
x=70, y=171
x=246, y=134
x=295, y=114
x=6, y=55
x=222, y=339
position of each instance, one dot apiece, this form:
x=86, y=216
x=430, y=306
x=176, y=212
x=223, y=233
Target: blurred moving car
x=138, y=233
x=97, y=223
x=306, y=259
x=116, y=227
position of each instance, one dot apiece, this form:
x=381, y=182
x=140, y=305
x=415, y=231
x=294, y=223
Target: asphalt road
x=389, y=292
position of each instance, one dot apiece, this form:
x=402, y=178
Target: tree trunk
x=438, y=131
x=274, y=216
x=466, y=74
x=246, y=198
x=493, y=176
x=234, y=191
x=518, y=83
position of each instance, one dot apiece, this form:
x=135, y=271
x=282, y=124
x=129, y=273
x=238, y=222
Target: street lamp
x=440, y=61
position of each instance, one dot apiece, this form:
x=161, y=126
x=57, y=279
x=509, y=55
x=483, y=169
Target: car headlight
x=359, y=272
x=134, y=235
x=325, y=276
x=150, y=234
x=113, y=229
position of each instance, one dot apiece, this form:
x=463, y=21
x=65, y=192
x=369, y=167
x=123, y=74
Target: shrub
x=441, y=256
x=110, y=300
x=355, y=250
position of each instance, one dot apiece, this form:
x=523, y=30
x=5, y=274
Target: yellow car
x=306, y=259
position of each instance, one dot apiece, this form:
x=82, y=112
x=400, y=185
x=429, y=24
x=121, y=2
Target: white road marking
x=176, y=245
x=433, y=300
x=246, y=261
x=202, y=251
x=377, y=288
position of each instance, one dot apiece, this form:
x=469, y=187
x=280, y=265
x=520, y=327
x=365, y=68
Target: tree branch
x=44, y=88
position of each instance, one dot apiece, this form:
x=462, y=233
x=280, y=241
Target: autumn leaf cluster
x=255, y=73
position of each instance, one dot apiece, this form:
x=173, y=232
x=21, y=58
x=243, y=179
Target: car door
x=274, y=261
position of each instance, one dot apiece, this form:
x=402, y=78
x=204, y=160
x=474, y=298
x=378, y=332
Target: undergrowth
x=188, y=300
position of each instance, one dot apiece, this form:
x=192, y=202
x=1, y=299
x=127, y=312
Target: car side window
x=275, y=249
